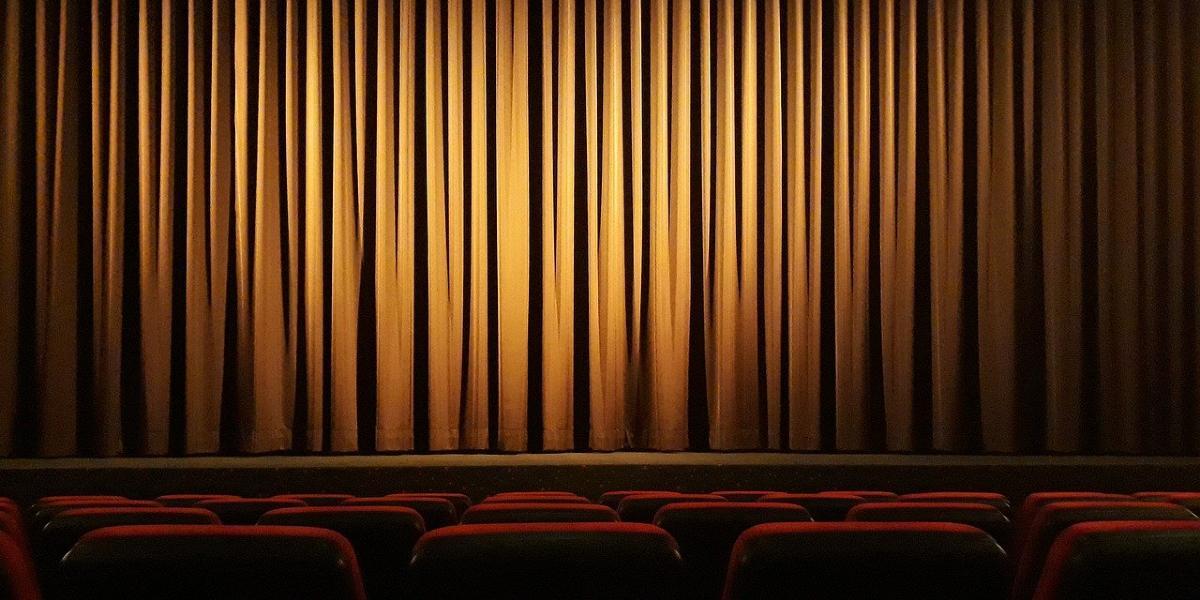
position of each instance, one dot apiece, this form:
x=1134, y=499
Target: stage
x=590, y=473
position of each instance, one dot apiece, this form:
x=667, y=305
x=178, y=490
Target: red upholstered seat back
x=828, y=506
x=316, y=499
x=1118, y=560
x=382, y=536
x=461, y=502
x=17, y=578
x=189, y=500
x=207, y=561
x=744, y=495
x=984, y=516
x=547, y=561
x=437, y=512
x=537, y=512
x=640, y=508
x=932, y=561
x=613, y=499
x=990, y=498
x=1052, y=519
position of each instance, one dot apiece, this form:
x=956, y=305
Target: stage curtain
x=392, y=225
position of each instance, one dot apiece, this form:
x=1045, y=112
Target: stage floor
x=590, y=473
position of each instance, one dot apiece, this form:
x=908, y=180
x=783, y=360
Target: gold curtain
x=338, y=225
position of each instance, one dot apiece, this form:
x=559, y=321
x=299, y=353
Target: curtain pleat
x=328, y=225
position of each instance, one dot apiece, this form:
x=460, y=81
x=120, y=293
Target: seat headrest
x=193, y=561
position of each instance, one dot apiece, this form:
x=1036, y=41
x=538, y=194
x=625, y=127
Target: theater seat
x=46, y=512
x=186, y=562
x=12, y=526
x=67, y=527
x=17, y=578
x=640, y=508
x=316, y=499
x=1055, y=517
x=190, y=500
x=984, y=516
x=613, y=499
x=245, y=511
x=1034, y=502
x=581, y=561
x=1158, y=496
x=461, y=502
x=536, y=500
x=930, y=561
x=75, y=497
x=1123, y=560
x=743, y=495
x=706, y=532
x=990, y=498
x=534, y=512
x=823, y=507
x=868, y=495
x=437, y=512
x=382, y=537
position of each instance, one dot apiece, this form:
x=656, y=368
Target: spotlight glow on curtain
x=330, y=225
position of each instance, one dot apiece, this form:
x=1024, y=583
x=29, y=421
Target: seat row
x=739, y=545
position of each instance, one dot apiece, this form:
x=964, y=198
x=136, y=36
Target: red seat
x=536, y=512
x=437, y=512
x=989, y=498
x=546, y=561
x=743, y=495
x=1158, y=496
x=190, y=500
x=932, y=561
x=535, y=493
x=706, y=532
x=212, y=561
x=461, y=502
x=868, y=495
x=45, y=512
x=535, y=500
x=1120, y=560
x=1055, y=517
x=984, y=516
x=827, y=506
x=75, y=497
x=613, y=499
x=640, y=508
x=382, y=536
x=11, y=525
x=1190, y=501
x=67, y=527
x=316, y=499
x=17, y=578
x=1034, y=502
x=245, y=511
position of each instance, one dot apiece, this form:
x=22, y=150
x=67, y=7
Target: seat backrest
x=316, y=499
x=706, y=532
x=190, y=500
x=1118, y=560
x=67, y=527
x=823, y=507
x=12, y=526
x=990, y=498
x=536, y=512
x=527, y=493
x=461, y=502
x=245, y=511
x=45, y=512
x=382, y=536
x=868, y=495
x=437, y=512
x=640, y=508
x=212, y=561
x=537, y=561
x=931, y=561
x=1052, y=519
x=536, y=498
x=743, y=495
x=984, y=516
x=613, y=499
x=17, y=578
x=1035, y=501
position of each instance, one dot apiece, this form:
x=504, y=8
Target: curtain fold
x=395, y=225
